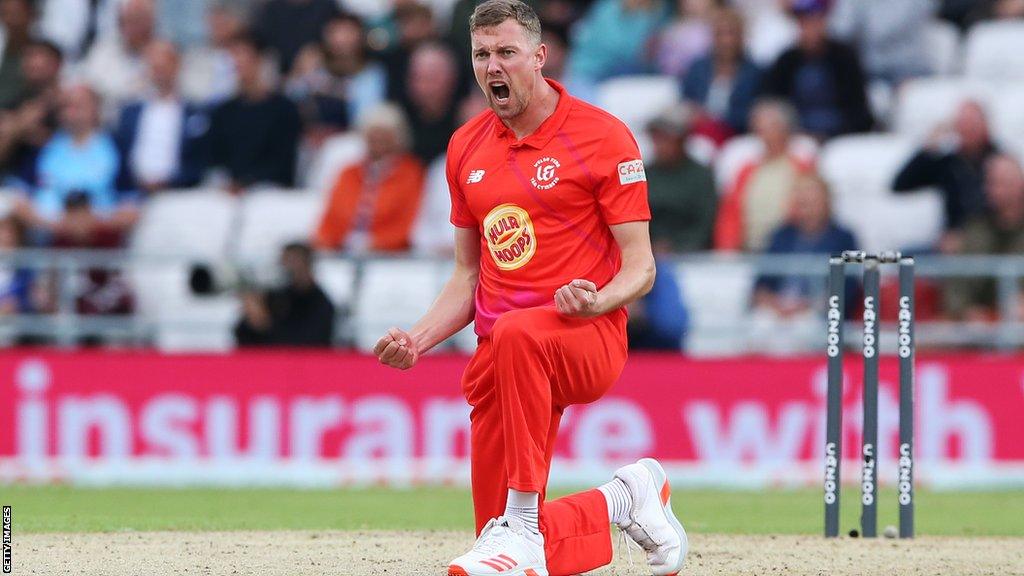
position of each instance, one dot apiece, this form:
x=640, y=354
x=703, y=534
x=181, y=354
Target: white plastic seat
x=943, y=41
x=891, y=221
x=337, y=278
x=769, y=33
x=637, y=99
x=367, y=9
x=995, y=51
x=272, y=218
x=393, y=293
x=925, y=103
x=717, y=297
x=740, y=151
x=432, y=233
x=193, y=222
x=1007, y=114
x=863, y=165
x=335, y=155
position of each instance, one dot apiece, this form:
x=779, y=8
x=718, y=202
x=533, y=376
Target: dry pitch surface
x=319, y=553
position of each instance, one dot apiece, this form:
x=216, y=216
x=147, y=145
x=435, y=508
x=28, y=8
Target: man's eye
x=481, y=55
x=507, y=52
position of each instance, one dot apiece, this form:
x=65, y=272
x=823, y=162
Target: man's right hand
x=396, y=349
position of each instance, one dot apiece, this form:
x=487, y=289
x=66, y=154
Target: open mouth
x=499, y=92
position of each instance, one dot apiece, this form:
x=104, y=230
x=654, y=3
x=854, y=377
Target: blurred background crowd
x=767, y=127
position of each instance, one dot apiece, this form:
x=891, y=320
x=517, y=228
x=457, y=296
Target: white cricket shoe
x=652, y=524
x=504, y=547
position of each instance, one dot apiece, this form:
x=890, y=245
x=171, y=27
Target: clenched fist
x=396, y=349
x=578, y=298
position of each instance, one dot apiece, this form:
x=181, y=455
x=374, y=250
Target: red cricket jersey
x=543, y=204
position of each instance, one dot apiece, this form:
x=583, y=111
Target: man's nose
x=493, y=66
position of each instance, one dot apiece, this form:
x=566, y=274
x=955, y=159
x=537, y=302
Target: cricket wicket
x=870, y=350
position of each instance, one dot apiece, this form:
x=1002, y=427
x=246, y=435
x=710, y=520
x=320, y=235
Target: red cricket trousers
x=534, y=364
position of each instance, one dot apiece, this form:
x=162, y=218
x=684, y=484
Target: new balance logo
x=501, y=563
x=475, y=176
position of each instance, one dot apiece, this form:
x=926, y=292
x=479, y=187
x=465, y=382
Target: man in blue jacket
x=162, y=138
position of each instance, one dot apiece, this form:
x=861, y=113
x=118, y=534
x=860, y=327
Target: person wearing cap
x=681, y=190
x=820, y=76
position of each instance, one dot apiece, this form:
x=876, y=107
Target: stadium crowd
x=105, y=104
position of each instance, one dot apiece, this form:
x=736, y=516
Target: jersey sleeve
x=460, y=216
x=621, y=181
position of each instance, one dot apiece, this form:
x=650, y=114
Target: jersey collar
x=540, y=137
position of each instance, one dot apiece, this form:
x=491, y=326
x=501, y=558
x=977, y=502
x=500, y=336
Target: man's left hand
x=578, y=299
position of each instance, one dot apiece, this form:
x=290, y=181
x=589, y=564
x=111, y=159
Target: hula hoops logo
x=510, y=237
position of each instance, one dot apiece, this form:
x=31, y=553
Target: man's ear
x=541, y=56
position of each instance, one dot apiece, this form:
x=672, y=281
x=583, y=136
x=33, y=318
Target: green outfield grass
x=64, y=509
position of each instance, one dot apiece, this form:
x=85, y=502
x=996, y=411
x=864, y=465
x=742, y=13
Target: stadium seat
x=717, y=296
x=393, y=292
x=272, y=218
x=367, y=9
x=738, y=151
x=943, y=40
x=188, y=226
x=925, y=103
x=769, y=33
x=189, y=222
x=860, y=170
x=432, y=233
x=7, y=197
x=863, y=165
x=637, y=99
x=995, y=51
x=1007, y=114
x=335, y=154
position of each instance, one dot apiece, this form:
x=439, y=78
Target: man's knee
x=518, y=327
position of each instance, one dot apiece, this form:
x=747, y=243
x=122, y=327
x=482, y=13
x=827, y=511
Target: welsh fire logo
x=510, y=236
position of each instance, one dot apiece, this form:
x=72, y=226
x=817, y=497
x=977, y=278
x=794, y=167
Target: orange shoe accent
x=531, y=572
x=512, y=562
x=457, y=571
x=665, y=493
x=495, y=565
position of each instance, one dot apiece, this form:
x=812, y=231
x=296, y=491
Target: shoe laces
x=627, y=543
x=490, y=540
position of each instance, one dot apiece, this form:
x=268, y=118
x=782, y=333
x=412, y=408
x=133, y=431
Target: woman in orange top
x=373, y=204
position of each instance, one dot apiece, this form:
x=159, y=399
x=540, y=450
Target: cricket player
x=549, y=201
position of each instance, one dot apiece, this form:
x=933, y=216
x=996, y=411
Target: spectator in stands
x=686, y=38
x=822, y=77
x=208, y=72
x=892, y=37
x=659, y=320
x=254, y=135
x=342, y=82
x=298, y=314
x=415, y=27
x=79, y=161
x=681, y=190
x=17, y=17
x=373, y=204
x=611, y=40
x=25, y=129
x=759, y=199
x=99, y=291
x=432, y=88
x=953, y=161
x=785, y=306
x=286, y=26
x=162, y=138
x=16, y=283
x=724, y=83
x=115, y=65
x=999, y=230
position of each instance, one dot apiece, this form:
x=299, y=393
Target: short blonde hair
x=494, y=12
x=389, y=116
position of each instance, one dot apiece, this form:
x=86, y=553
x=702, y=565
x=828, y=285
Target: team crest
x=545, y=176
x=510, y=237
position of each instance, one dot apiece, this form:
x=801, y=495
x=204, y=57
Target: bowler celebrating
x=549, y=200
